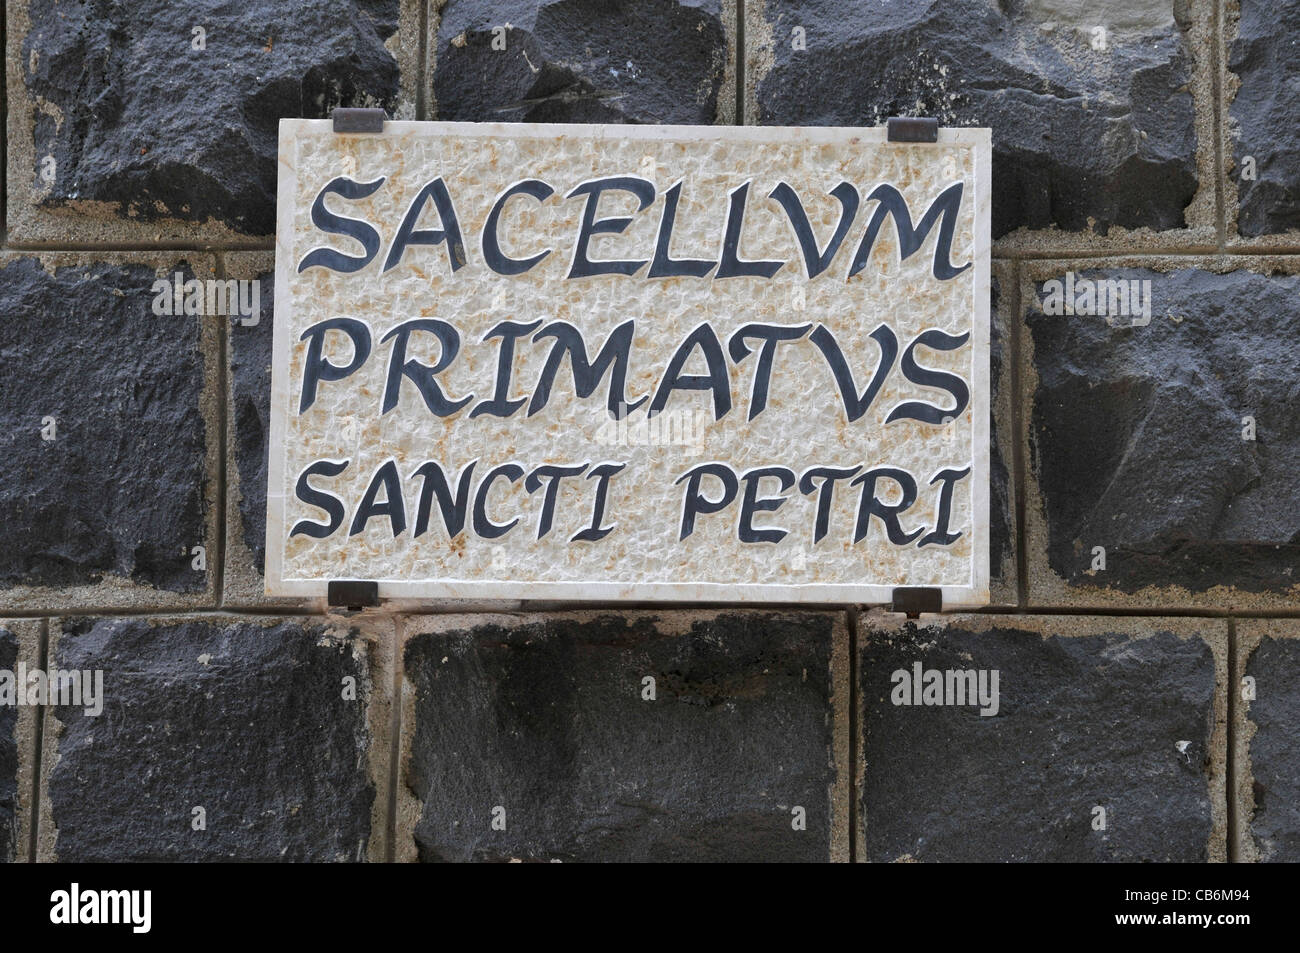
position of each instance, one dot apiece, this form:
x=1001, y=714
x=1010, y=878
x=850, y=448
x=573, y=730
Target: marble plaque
x=723, y=364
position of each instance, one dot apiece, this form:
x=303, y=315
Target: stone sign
x=630, y=362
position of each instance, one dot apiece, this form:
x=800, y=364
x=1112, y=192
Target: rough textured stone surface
x=1079, y=134
x=135, y=116
x=1092, y=712
x=250, y=369
x=1274, y=760
x=1264, y=58
x=120, y=490
x=244, y=719
x=8, y=755
x=1136, y=435
x=544, y=717
x=655, y=61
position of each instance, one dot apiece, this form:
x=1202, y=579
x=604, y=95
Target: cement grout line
x=128, y=612
x=1228, y=250
x=1230, y=762
x=37, y=753
x=1220, y=128
x=1128, y=251
x=289, y=612
x=1139, y=612
x=854, y=728
x=1249, y=251
x=397, y=632
x=422, y=66
x=188, y=248
x=223, y=401
x=4, y=125
x=741, y=53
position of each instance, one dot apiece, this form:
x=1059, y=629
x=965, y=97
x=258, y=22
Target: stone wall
x=1145, y=626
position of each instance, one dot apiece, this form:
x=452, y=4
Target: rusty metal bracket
x=353, y=593
x=355, y=119
x=911, y=129
x=914, y=600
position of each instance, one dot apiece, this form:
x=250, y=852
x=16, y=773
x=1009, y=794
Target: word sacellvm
x=73, y=688
x=729, y=225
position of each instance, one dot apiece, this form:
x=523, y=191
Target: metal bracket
x=914, y=600
x=353, y=593
x=356, y=119
x=911, y=129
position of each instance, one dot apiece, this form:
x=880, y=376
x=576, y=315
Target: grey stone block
x=121, y=129
x=1136, y=438
x=1090, y=130
x=654, y=61
x=275, y=728
x=543, y=722
x=109, y=512
x=1123, y=715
